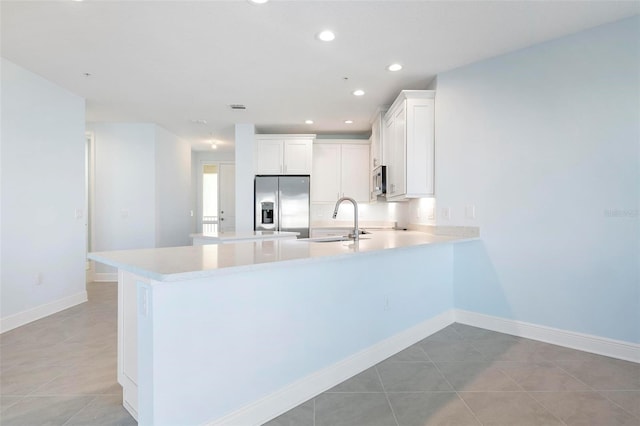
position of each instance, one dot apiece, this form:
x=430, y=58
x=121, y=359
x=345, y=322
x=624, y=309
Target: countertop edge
x=192, y=275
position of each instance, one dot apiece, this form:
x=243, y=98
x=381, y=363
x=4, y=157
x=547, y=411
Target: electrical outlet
x=386, y=303
x=431, y=214
x=445, y=212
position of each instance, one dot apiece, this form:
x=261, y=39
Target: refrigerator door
x=294, y=204
x=266, y=203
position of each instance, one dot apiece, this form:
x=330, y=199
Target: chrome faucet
x=356, y=232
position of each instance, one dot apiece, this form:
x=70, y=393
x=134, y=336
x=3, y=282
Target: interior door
x=227, y=197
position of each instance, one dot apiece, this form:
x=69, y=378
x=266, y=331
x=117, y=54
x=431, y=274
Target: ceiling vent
x=237, y=106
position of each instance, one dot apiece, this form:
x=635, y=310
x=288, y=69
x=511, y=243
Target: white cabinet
x=284, y=154
x=408, y=135
x=377, y=153
x=340, y=169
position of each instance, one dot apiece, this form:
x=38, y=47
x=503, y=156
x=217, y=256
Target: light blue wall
x=240, y=337
x=545, y=143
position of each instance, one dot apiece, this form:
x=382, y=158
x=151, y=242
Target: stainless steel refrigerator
x=282, y=204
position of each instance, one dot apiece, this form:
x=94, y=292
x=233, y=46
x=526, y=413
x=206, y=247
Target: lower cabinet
x=340, y=170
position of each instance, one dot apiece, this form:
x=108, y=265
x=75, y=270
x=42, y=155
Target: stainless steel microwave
x=379, y=180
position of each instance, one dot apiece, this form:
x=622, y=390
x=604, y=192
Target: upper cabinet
x=377, y=154
x=408, y=144
x=284, y=154
x=340, y=169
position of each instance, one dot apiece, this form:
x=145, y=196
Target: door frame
x=199, y=200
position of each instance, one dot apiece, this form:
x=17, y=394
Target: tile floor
x=61, y=370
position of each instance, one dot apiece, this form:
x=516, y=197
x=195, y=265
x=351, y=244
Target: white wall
x=173, y=190
x=142, y=188
x=124, y=215
x=245, y=148
x=42, y=180
x=545, y=143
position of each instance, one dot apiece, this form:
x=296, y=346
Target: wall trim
x=292, y=395
x=21, y=318
x=101, y=277
x=584, y=342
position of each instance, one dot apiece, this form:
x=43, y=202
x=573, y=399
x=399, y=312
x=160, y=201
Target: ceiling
x=180, y=64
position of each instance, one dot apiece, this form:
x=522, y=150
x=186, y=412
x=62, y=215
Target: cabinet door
x=389, y=135
x=399, y=151
x=355, y=172
x=269, y=155
x=325, y=179
x=376, y=143
x=298, y=154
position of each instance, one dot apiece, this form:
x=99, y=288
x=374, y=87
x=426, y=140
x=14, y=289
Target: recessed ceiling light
x=258, y=1
x=308, y=121
x=214, y=146
x=394, y=67
x=198, y=121
x=326, y=35
x=348, y=121
x=358, y=92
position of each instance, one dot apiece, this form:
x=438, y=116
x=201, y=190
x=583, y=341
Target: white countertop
x=239, y=236
x=191, y=262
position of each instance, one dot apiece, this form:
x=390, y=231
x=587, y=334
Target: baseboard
x=585, y=342
x=281, y=401
x=101, y=277
x=21, y=318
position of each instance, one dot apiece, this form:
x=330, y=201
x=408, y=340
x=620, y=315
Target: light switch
x=445, y=212
x=470, y=212
x=78, y=213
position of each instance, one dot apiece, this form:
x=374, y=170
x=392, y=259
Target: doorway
x=216, y=197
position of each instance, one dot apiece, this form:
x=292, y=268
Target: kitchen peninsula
x=239, y=333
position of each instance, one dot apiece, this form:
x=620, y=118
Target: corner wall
x=43, y=190
x=544, y=142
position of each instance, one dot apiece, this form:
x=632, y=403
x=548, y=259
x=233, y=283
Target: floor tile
x=474, y=333
x=541, y=377
x=477, y=376
x=629, y=400
x=83, y=380
x=411, y=354
x=7, y=401
x=367, y=381
x=430, y=409
x=41, y=411
x=103, y=410
x=604, y=373
x=508, y=348
x=508, y=409
x=350, y=409
x=412, y=377
x=25, y=378
x=450, y=350
x=585, y=408
x=446, y=334
x=302, y=415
